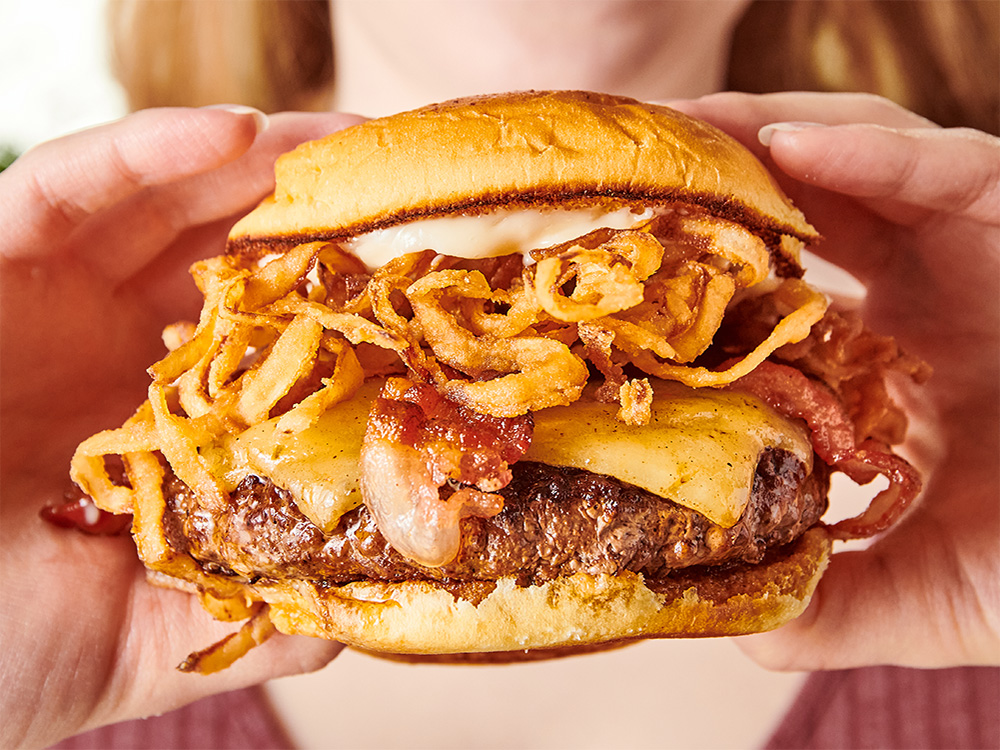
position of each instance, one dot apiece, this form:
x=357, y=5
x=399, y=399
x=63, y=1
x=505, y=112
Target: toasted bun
x=515, y=148
x=580, y=610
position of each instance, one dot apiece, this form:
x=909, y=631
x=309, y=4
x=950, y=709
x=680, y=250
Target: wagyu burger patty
x=555, y=522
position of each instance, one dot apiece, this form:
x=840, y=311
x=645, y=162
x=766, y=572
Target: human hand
x=913, y=211
x=99, y=230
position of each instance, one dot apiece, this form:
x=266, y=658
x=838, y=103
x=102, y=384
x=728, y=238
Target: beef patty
x=556, y=521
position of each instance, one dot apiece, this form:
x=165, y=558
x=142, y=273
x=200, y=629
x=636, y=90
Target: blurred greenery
x=7, y=156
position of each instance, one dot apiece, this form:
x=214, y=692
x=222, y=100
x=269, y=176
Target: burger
x=519, y=374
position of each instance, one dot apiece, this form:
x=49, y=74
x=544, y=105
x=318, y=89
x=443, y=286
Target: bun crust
x=526, y=147
x=422, y=618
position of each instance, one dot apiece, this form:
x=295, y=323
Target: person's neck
x=393, y=55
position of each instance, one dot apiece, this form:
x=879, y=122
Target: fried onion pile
x=497, y=336
x=286, y=337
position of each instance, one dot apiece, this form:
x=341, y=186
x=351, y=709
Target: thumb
x=895, y=171
x=844, y=625
x=58, y=185
x=169, y=625
x=908, y=600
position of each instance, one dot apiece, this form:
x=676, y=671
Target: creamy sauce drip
x=488, y=235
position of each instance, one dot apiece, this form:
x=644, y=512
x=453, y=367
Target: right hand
x=99, y=229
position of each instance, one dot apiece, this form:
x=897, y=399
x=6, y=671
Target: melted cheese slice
x=488, y=235
x=700, y=449
x=318, y=466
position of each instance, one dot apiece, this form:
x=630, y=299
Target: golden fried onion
x=606, y=280
x=223, y=653
x=651, y=297
x=528, y=371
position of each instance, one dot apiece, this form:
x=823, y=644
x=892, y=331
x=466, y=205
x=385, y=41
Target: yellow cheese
x=319, y=465
x=700, y=449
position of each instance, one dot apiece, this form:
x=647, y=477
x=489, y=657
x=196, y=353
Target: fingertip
x=260, y=120
x=789, y=648
x=767, y=132
x=920, y=169
x=300, y=654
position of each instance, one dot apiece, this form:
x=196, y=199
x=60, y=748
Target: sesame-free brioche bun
x=420, y=617
x=517, y=148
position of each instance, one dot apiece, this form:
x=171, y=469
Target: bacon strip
x=458, y=443
x=416, y=443
x=791, y=393
x=872, y=458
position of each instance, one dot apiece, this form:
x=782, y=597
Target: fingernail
x=260, y=119
x=765, y=133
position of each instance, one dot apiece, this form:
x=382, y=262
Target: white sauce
x=488, y=235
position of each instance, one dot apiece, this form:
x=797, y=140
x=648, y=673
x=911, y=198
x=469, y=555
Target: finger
x=114, y=652
x=743, y=115
x=135, y=232
x=914, y=601
x=58, y=185
x=830, y=633
x=153, y=684
x=165, y=285
x=904, y=174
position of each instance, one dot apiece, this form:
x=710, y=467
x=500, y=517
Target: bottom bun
x=492, y=658
x=421, y=617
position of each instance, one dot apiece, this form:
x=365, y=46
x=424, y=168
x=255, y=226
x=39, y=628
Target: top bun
x=518, y=148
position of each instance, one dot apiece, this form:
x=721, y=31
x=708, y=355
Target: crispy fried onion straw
x=285, y=338
x=223, y=653
x=509, y=372
x=233, y=371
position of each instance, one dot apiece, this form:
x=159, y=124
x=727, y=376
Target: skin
x=396, y=54
x=100, y=227
x=913, y=211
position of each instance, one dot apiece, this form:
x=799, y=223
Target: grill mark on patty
x=556, y=521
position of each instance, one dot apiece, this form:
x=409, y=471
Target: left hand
x=913, y=211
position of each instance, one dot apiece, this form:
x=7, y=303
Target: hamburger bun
x=577, y=611
x=527, y=147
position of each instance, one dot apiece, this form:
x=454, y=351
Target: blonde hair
x=939, y=58
x=272, y=54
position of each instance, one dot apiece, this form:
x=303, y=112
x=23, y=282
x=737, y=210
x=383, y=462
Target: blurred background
x=56, y=77
x=936, y=57
x=54, y=71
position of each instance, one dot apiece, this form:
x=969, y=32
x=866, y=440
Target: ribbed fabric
x=892, y=707
x=878, y=707
x=241, y=720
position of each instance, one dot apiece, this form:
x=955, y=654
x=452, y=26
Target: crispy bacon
x=795, y=395
x=418, y=446
x=458, y=443
x=78, y=511
x=854, y=361
x=870, y=459
x=789, y=392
